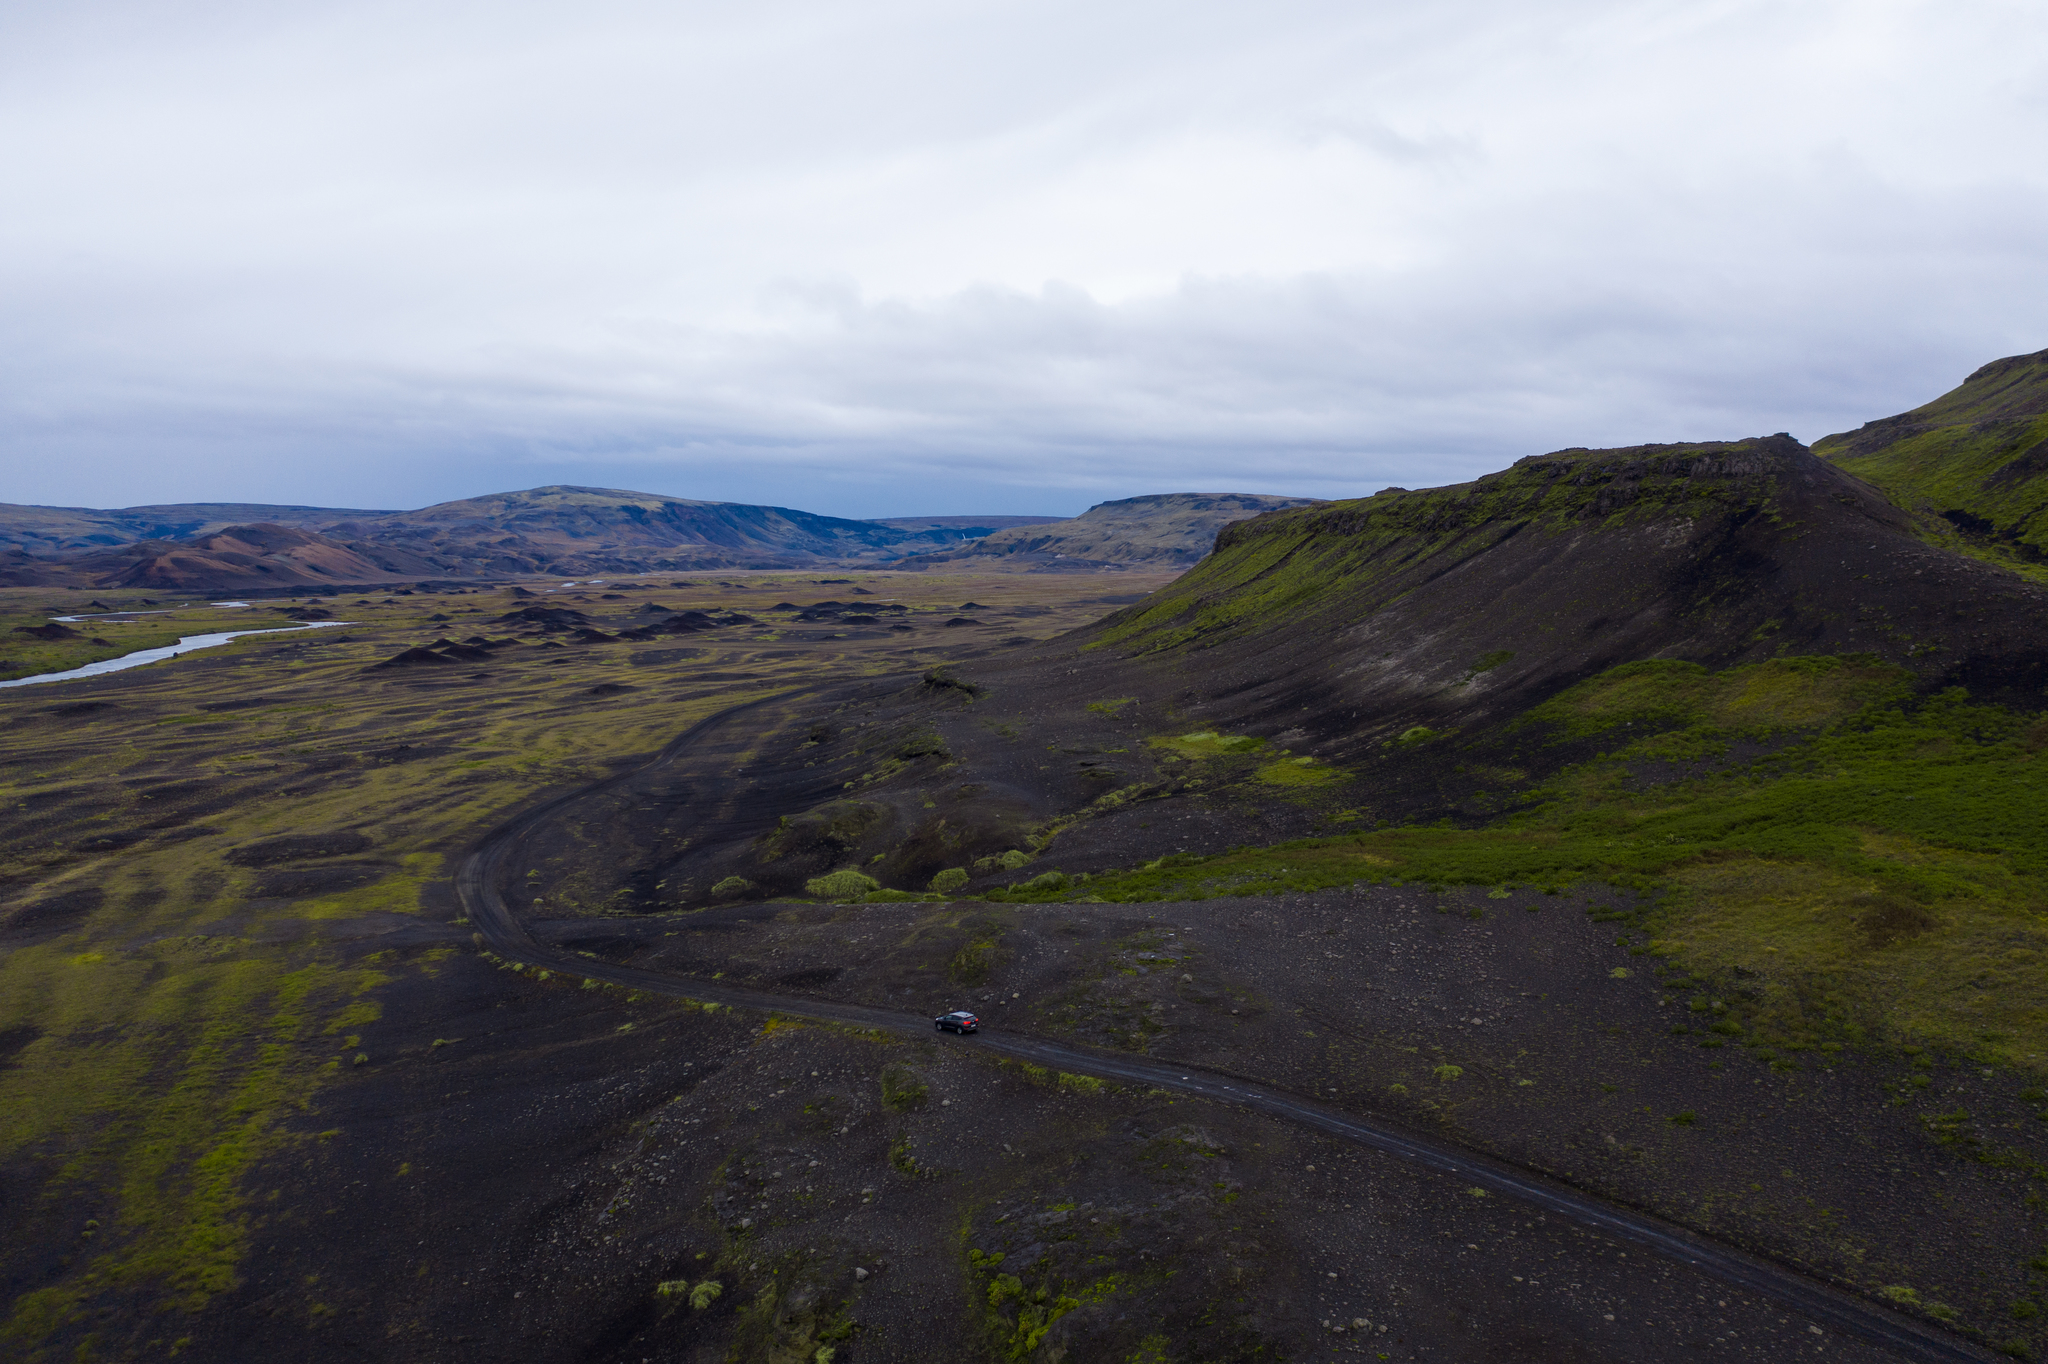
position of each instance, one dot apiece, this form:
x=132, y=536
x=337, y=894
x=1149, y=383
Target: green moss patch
x=183, y=1061
x=1298, y=772
x=1206, y=743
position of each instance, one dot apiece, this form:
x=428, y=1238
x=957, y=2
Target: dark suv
x=959, y=1021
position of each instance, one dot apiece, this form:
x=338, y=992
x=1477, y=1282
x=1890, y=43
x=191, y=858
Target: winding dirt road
x=480, y=875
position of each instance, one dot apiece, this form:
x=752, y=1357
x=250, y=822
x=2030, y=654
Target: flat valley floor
x=266, y=1095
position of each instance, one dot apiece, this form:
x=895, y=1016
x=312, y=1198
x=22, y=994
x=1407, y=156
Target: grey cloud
x=1022, y=258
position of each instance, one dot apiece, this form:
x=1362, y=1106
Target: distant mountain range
x=569, y=530
x=1969, y=465
x=74, y=530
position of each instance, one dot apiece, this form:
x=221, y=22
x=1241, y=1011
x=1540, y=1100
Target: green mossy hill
x=1976, y=456
x=1359, y=620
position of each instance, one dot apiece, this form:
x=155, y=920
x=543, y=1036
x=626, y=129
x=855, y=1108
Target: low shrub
x=841, y=885
x=902, y=1090
x=974, y=961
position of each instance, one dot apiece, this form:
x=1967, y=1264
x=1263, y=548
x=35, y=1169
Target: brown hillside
x=236, y=558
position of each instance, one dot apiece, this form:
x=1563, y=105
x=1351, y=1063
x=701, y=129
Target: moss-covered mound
x=1975, y=456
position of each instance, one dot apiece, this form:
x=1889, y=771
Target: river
x=183, y=646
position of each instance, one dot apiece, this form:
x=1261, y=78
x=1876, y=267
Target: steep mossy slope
x=1467, y=604
x=1975, y=456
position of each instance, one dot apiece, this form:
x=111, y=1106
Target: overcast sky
x=898, y=256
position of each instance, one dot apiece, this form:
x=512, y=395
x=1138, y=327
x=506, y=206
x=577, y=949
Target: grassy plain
x=203, y=857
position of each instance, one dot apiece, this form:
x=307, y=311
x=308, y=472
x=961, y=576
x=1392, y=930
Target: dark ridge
x=293, y=847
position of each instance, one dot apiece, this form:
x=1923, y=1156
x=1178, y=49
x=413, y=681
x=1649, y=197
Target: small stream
x=183, y=646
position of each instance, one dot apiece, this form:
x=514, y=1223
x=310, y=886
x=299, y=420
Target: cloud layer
x=913, y=256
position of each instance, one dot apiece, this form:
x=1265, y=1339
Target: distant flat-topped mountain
x=1976, y=456
x=1163, y=530
x=557, y=529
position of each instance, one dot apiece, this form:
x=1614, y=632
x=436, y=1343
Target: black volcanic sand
x=519, y=1164
x=1562, y=1038
x=1359, y=997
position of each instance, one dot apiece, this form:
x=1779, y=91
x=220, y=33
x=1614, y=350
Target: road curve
x=478, y=880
